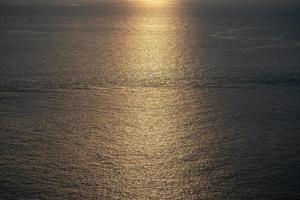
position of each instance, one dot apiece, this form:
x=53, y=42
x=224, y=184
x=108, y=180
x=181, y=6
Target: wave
x=199, y=82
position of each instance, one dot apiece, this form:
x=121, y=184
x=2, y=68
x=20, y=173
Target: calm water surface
x=113, y=101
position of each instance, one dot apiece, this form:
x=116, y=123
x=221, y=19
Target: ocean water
x=150, y=101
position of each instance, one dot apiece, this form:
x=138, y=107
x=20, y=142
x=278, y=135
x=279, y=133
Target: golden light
x=156, y=3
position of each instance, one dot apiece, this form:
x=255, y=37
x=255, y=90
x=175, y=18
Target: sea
x=150, y=100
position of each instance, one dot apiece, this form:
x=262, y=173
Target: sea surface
x=150, y=101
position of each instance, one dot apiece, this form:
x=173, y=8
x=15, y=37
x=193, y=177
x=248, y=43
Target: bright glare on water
x=149, y=100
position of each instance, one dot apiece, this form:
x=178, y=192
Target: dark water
x=124, y=101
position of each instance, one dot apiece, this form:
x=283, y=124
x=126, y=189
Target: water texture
x=126, y=101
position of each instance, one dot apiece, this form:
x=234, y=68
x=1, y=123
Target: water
x=150, y=101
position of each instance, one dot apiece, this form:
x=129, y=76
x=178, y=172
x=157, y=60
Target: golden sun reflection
x=149, y=130
x=152, y=136
x=154, y=3
x=151, y=54
x=153, y=143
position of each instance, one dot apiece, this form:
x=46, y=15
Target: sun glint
x=154, y=2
